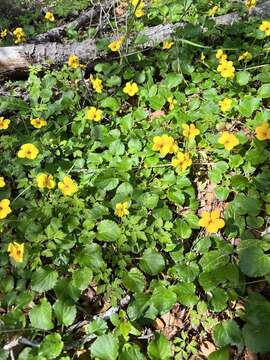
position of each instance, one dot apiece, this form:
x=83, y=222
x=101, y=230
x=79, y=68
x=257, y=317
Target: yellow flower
x=97, y=84
x=16, y=251
x=182, y=161
x=121, y=209
x=202, y=56
x=4, y=208
x=263, y=132
x=165, y=145
x=45, y=181
x=250, y=4
x=3, y=33
x=190, y=131
x=131, y=88
x=225, y=104
x=49, y=16
x=246, y=56
x=139, y=12
x=19, y=35
x=116, y=44
x=265, y=26
x=4, y=123
x=67, y=186
x=220, y=55
x=73, y=62
x=211, y=221
x=38, y=123
x=213, y=11
x=2, y=182
x=172, y=102
x=226, y=69
x=93, y=114
x=167, y=45
x=28, y=151
x=228, y=140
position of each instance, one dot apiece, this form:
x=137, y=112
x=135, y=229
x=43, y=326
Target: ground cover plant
x=135, y=189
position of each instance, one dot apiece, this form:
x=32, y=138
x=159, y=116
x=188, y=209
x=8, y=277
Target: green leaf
x=257, y=339
x=152, y=262
x=44, y=279
x=264, y=91
x=182, y=229
x=97, y=326
x=186, y=293
x=228, y=333
x=248, y=105
x=243, y=77
x=163, y=299
x=131, y=352
x=64, y=313
x=81, y=278
x=159, y=348
x=172, y=80
x=222, y=354
x=134, y=280
x=108, y=230
x=41, y=315
x=111, y=103
x=219, y=299
x=51, y=346
x=138, y=306
x=157, y=102
x=254, y=262
x=105, y=347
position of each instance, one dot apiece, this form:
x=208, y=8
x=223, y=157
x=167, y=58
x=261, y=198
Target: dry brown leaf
x=156, y=114
x=249, y=355
x=207, y=348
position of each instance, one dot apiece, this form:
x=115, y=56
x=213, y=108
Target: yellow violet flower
x=131, y=88
x=73, y=62
x=226, y=69
x=116, y=44
x=16, y=251
x=121, y=209
x=211, y=221
x=165, y=145
x=68, y=187
x=139, y=12
x=246, y=56
x=45, y=181
x=190, y=131
x=2, y=182
x=172, y=102
x=28, y=151
x=19, y=35
x=97, y=84
x=4, y=123
x=225, y=104
x=265, y=27
x=220, y=55
x=263, y=132
x=213, y=11
x=49, y=16
x=182, y=161
x=250, y=4
x=228, y=140
x=167, y=45
x=93, y=114
x=38, y=123
x=4, y=208
x=3, y=33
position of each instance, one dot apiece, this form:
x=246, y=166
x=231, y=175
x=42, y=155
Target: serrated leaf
x=41, y=315
x=105, y=347
x=108, y=230
x=64, y=313
x=134, y=280
x=51, y=347
x=152, y=262
x=159, y=348
x=228, y=333
x=44, y=279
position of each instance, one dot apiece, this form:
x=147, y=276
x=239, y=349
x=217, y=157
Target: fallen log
x=16, y=59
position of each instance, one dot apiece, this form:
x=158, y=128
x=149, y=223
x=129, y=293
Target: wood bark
x=16, y=59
